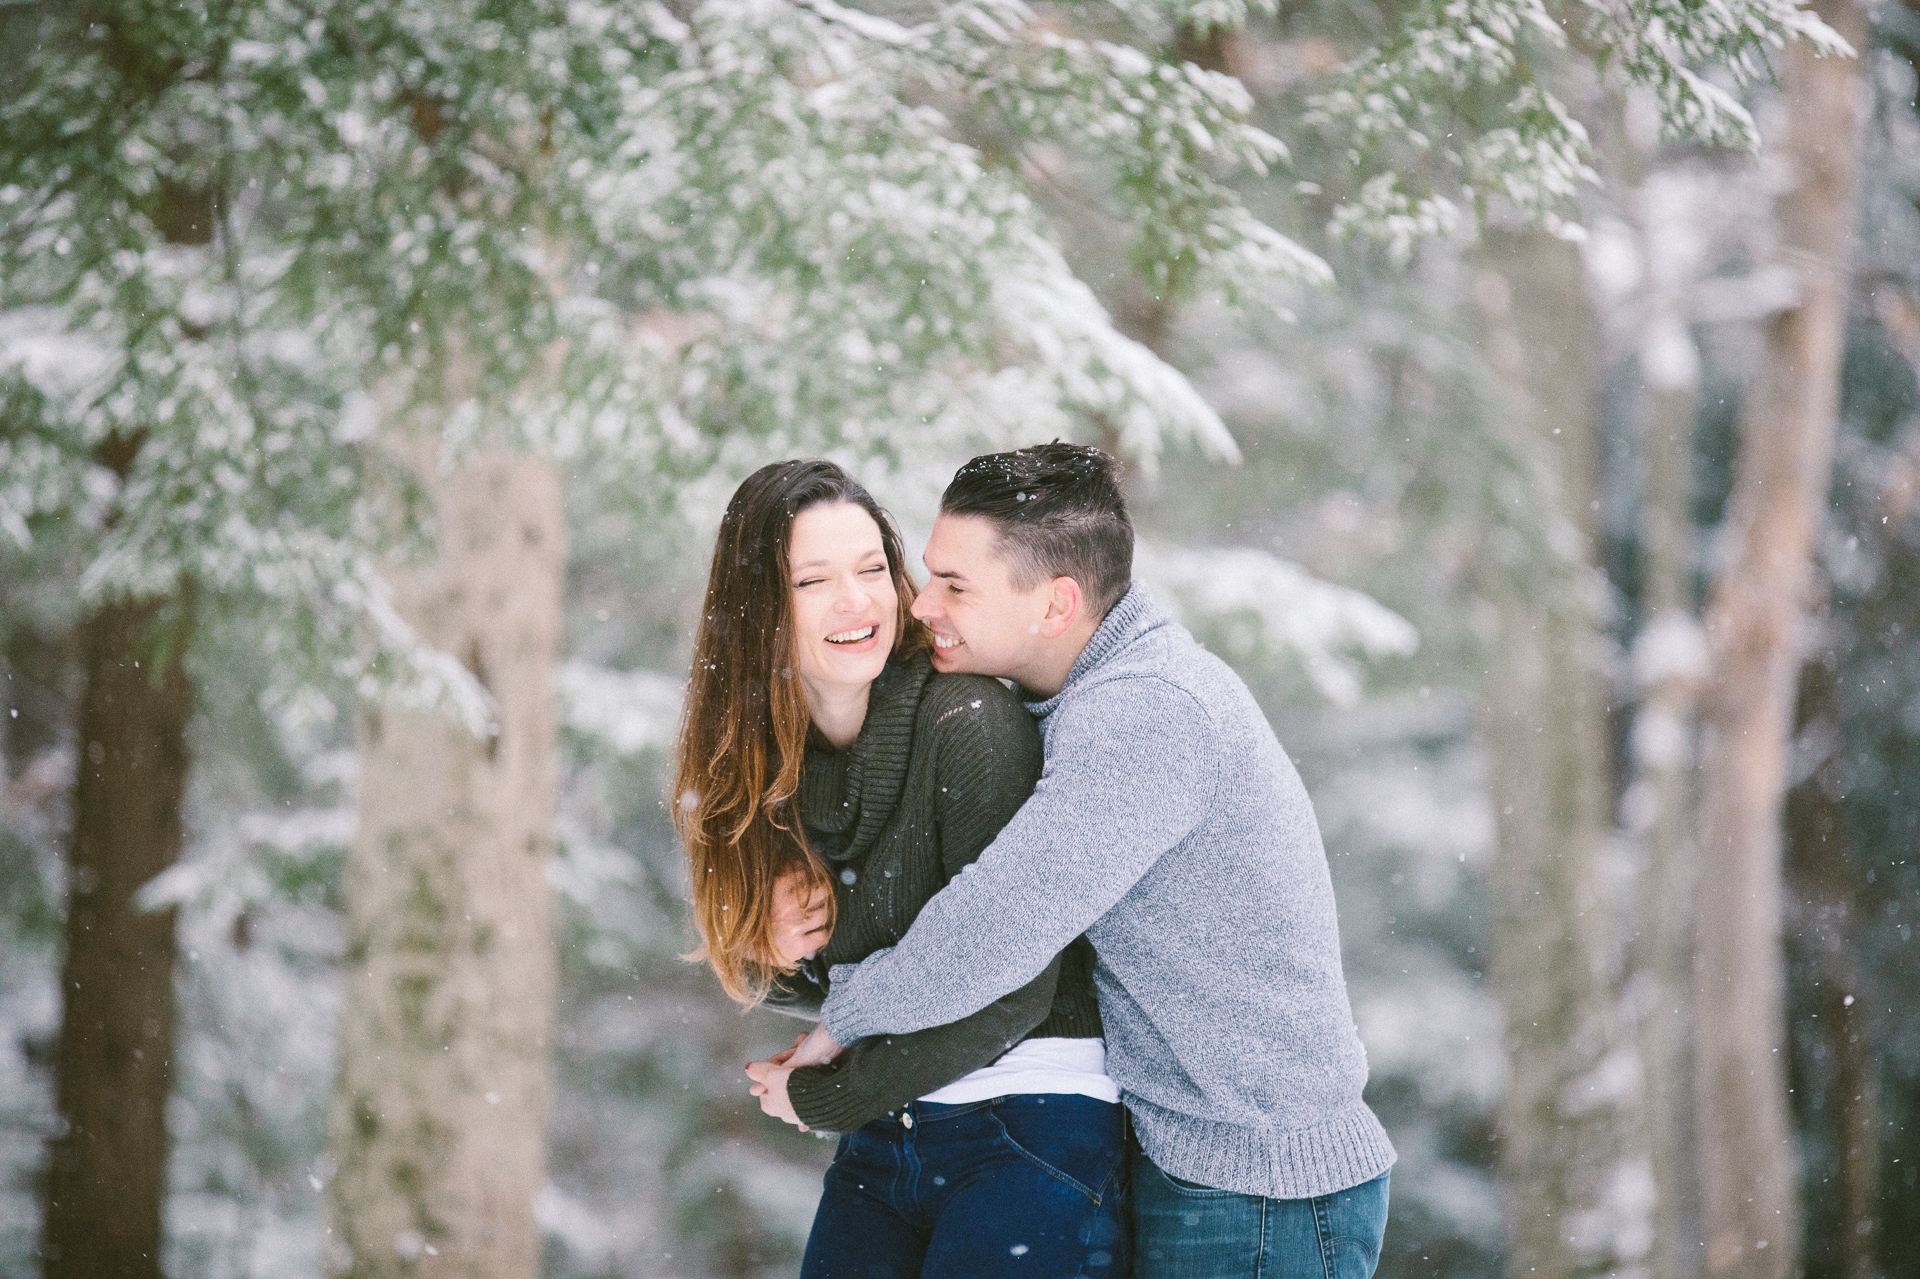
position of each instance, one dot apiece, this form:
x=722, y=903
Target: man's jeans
x=1185, y=1231
x=1031, y=1186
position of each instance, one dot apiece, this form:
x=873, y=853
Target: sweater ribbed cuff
x=823, y=1101
x=1344, y=1150
x=842, y=1015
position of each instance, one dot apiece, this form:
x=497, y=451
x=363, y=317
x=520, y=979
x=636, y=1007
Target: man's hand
x=770, y=1086
x=781, y=1058
x=815, y=1047
x=799, y=919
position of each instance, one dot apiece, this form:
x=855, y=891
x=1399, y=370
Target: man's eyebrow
x=950, y=574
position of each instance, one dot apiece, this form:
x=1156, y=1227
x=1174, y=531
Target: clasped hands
x=799, y=930
x=770, y=1076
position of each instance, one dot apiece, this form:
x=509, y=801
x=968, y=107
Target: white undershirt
x=1036, y=1065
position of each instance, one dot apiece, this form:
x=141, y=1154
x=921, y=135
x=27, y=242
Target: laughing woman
x=830, y=783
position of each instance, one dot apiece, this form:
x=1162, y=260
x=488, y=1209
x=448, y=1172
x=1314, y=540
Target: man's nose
x=923, y=604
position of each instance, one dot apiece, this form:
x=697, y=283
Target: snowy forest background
x=1525, y=398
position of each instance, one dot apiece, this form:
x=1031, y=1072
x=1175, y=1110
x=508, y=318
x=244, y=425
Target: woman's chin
x=863, y=666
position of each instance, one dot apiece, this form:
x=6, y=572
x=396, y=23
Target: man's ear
x=1063, y=607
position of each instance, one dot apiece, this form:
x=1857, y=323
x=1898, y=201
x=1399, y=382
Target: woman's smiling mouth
x=854, y=636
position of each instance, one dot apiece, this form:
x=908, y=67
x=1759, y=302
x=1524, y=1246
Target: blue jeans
x=1185, y=1231
x=1032, y=1185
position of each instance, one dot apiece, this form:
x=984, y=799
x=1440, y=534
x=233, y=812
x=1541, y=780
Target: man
x=1171, y=829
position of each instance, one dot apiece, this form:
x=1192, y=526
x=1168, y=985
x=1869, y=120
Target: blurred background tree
x=649, y=249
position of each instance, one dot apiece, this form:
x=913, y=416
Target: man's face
x=981, y=624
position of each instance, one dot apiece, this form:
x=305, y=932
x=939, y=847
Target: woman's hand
x=770, y=1086
x=799, y=918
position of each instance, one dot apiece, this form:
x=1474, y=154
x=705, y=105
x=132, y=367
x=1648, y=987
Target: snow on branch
x=403, y=670
x=1664, y=44
x=1258, y=601
x=868, y=25
x=1168, y=129
x=630, y=711
x=1099, y=370
x=872, y=283
x=235, y=868
x=763, y=185
x=1403, y=106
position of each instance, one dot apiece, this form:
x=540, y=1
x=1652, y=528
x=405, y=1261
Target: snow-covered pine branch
x=1402, y=108
x=1258, y=602
x=685, y=241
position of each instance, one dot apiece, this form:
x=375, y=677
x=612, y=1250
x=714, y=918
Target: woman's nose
x=854, y=595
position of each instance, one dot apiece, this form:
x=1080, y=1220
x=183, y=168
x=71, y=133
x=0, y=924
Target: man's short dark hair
x=1059, y=512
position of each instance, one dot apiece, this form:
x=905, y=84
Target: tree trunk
x=1754, y=625
x=107, y=1168
x=439, y=1112
x=1570, y=1195
x=1669, y=664
x=1840, y=1093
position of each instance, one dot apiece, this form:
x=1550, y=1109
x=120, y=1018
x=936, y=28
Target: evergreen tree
x=672, y=240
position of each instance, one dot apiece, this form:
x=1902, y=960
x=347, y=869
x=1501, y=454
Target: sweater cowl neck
x=846, y=796
x=1125, y=622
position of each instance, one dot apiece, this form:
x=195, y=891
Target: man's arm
x=1129, y=774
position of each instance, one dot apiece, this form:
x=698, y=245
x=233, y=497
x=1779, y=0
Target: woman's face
x=845, y=608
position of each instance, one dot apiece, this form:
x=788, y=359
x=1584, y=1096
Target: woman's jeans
x=1032, y=1185
x=1184, y=1231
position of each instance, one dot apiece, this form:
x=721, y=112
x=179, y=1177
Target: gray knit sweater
x=1173, y=831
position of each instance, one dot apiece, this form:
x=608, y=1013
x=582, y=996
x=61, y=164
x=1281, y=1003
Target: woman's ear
x=1063, y=607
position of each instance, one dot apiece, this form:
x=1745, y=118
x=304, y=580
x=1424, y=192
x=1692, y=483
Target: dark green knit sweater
x=942, y=762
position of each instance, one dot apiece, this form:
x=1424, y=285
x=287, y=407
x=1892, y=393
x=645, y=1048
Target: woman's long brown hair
x=743, y=732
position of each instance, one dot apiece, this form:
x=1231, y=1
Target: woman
x=820, y=755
